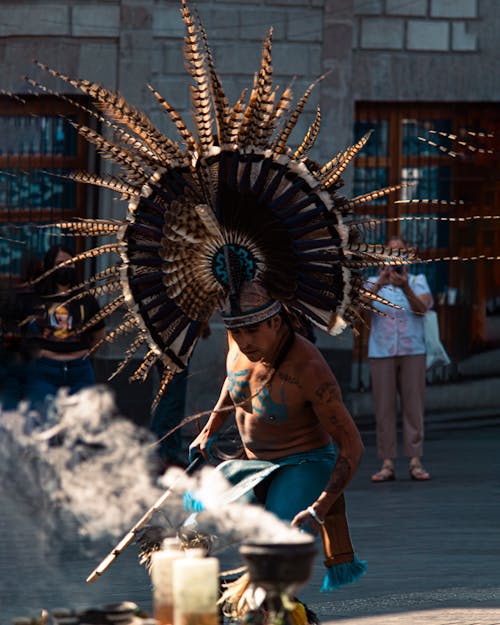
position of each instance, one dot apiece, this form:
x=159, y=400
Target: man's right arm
x=219, y=415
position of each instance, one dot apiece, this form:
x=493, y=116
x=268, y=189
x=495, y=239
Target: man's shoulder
x=303, y=347
x=308, y=357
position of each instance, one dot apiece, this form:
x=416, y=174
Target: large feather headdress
x=228, y=203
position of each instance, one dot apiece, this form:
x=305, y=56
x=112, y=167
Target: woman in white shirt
x=396, y=353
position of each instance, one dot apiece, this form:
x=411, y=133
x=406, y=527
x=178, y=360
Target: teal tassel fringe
x=341, y=574
x=191, y=504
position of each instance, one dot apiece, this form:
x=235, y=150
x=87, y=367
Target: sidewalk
x=467, y=616
x=432, y=548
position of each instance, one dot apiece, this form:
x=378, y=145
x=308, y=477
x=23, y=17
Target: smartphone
x=399, y=269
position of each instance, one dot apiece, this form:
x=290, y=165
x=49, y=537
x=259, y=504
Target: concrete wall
x=124, y=44
x=426, y=50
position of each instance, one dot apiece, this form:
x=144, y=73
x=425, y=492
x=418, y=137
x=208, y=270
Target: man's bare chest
x=267, y=397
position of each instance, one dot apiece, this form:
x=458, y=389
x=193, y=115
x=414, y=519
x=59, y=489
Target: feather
x=139, y=340
x=96, y=291
x=109, y=182
x=349, y=205
x=109, y=273
x=219, y=99
x=462, y=143
x=258, y=113
x=429, y=218
x=279, y=143
x=182, y=129
x=166, y=378
x=85, y=227
x=118, y=154
x=283, y=104
x=200, y=94
x=114, y=105
x=128, y=325
x=128, y=139
x=310, y=137
x=382, y=250
x=141, y=373
x=236, y=118
x=329, y=178
x=104, y=312
x=108, y=248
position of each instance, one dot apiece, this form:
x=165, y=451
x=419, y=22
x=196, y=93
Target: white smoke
x=232, y=521
x=90, y=472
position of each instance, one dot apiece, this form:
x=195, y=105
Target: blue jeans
x=12, y=379
x=46, y=376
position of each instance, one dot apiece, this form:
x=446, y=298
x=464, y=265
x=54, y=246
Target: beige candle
x=196, y=590
x=162, y=579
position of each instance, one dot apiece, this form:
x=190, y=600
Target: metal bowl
x=279, y=564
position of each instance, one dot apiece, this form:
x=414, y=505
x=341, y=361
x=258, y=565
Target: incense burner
x=279, y=566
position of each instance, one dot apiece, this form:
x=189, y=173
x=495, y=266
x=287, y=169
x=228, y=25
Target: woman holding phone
x=396, y=353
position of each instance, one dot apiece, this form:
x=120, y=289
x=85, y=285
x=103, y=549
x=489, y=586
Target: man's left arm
x=326, y=399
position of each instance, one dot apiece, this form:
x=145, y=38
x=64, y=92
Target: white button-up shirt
x=397, y=332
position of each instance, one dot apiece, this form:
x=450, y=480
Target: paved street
x=433, y=548
x=429, y=546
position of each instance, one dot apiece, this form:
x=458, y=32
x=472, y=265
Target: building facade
x=405, y=69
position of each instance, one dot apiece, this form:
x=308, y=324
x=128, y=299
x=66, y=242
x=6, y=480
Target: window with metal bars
x=410, y=143
x=37, y=147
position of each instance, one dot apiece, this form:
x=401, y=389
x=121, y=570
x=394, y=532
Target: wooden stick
x=146, y=517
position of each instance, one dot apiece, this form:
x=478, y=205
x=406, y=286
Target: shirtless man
x=289, y=409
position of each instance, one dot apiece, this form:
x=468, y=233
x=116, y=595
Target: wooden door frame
x=472, y=279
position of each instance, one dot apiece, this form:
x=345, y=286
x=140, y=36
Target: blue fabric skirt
x=284, y=486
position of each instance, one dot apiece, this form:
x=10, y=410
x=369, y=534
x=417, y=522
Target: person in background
x=15, y=354
x=168, y=414
x=61, y=350
x=396, y=353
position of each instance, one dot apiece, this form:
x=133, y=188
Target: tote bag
x=436, y=355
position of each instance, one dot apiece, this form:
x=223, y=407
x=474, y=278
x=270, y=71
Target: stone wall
x=124, y=44
x=426, y=50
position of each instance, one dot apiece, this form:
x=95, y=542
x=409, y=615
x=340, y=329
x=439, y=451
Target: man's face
x=257, y=341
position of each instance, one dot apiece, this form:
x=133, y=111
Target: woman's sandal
x=386, y=474
x=418, y=473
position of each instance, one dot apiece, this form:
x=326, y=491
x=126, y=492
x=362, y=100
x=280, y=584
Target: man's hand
x=203, y=444
x=305, y=519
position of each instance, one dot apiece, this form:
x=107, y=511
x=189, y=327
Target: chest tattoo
x=266, y=409
x=239, y=388
x=263, y=405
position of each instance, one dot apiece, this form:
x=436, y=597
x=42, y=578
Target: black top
x=55, y=325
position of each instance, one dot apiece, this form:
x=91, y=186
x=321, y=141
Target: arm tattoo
x=329, y=392
x=340, y=476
